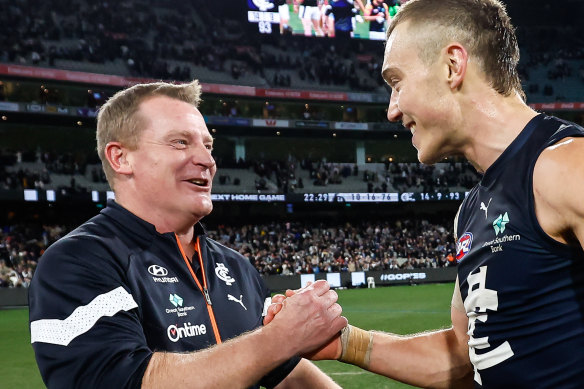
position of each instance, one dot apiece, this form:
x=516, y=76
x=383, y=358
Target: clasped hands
x=331, y=348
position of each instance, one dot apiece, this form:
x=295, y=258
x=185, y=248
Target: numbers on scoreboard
x=265, y=27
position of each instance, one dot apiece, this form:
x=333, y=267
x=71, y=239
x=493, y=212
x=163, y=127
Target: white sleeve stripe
x=62, y=332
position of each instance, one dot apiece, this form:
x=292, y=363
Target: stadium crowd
x=287, y=174
x=162, y=42
x=274, y=248
x=169, y=40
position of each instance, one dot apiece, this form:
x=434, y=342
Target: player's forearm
x=237, y=363
x=432, y=360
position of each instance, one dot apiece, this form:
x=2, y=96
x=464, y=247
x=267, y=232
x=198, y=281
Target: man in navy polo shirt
x=138, y=296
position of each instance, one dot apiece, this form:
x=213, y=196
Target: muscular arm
x=558, y=184
x=437, y=359
x=301, y=325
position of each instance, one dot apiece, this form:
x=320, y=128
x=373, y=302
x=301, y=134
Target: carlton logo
x=463, y=246
x=186, y=331
x=156, y=270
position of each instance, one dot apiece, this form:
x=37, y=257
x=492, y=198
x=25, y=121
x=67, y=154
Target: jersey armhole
x=455, y=227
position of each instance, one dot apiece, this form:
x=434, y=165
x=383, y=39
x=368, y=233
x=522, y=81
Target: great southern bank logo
x=500, y=223
x=500, y=226
x=177, y=301
x=187, y=330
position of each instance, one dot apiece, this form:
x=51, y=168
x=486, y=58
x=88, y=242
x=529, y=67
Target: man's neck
x=162, y=221
x=493, y=125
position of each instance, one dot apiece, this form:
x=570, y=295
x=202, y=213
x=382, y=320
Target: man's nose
x=202, y=156
x=393, y=112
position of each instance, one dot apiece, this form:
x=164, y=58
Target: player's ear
x=116, y=155
x=456, y=58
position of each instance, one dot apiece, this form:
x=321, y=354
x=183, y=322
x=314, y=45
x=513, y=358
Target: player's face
x=419, y=98
x=172, y=167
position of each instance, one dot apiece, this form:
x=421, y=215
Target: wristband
x=356, y=346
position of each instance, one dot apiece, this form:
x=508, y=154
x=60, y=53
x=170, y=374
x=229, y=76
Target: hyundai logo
x=156, y=270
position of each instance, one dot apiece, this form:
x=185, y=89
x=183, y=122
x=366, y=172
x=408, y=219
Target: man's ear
x=116, y=155
x=457, y=61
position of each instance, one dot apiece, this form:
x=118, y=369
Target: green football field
x=398, y=309
x=361, y=29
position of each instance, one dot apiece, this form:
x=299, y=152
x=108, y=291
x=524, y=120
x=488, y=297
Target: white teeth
x=197, y=181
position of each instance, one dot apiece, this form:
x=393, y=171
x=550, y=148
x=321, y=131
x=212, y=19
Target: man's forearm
x=237, y=363
x=305, y=321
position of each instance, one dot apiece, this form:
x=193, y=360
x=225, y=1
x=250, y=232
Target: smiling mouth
x=203, y=182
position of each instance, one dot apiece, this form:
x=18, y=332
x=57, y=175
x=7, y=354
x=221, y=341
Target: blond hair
x=117, y=120
x=482, y=26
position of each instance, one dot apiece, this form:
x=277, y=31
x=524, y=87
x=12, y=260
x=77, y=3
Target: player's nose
x=393, y=112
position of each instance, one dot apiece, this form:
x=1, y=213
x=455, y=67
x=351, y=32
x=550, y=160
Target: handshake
x=312, y=318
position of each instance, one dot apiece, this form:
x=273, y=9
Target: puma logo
x=486, y=207
x=240, y=300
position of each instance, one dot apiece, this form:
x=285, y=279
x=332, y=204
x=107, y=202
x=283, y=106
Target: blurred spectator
x=275, y=248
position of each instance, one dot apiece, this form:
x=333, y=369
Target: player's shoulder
x=560, y=164
x=558, y=184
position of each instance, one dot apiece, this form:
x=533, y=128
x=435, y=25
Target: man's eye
x=180, y=143
x=209, y=147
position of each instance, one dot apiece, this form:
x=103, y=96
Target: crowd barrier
x=279, y=283
x=14, y=297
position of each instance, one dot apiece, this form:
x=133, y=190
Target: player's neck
x=492, y=126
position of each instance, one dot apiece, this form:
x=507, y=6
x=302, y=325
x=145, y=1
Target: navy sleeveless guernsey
x=522, y=290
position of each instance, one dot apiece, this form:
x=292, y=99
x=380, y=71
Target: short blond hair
x=117, y=120
x=483, y=26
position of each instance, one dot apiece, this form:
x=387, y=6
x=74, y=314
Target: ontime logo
x=187, y=330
